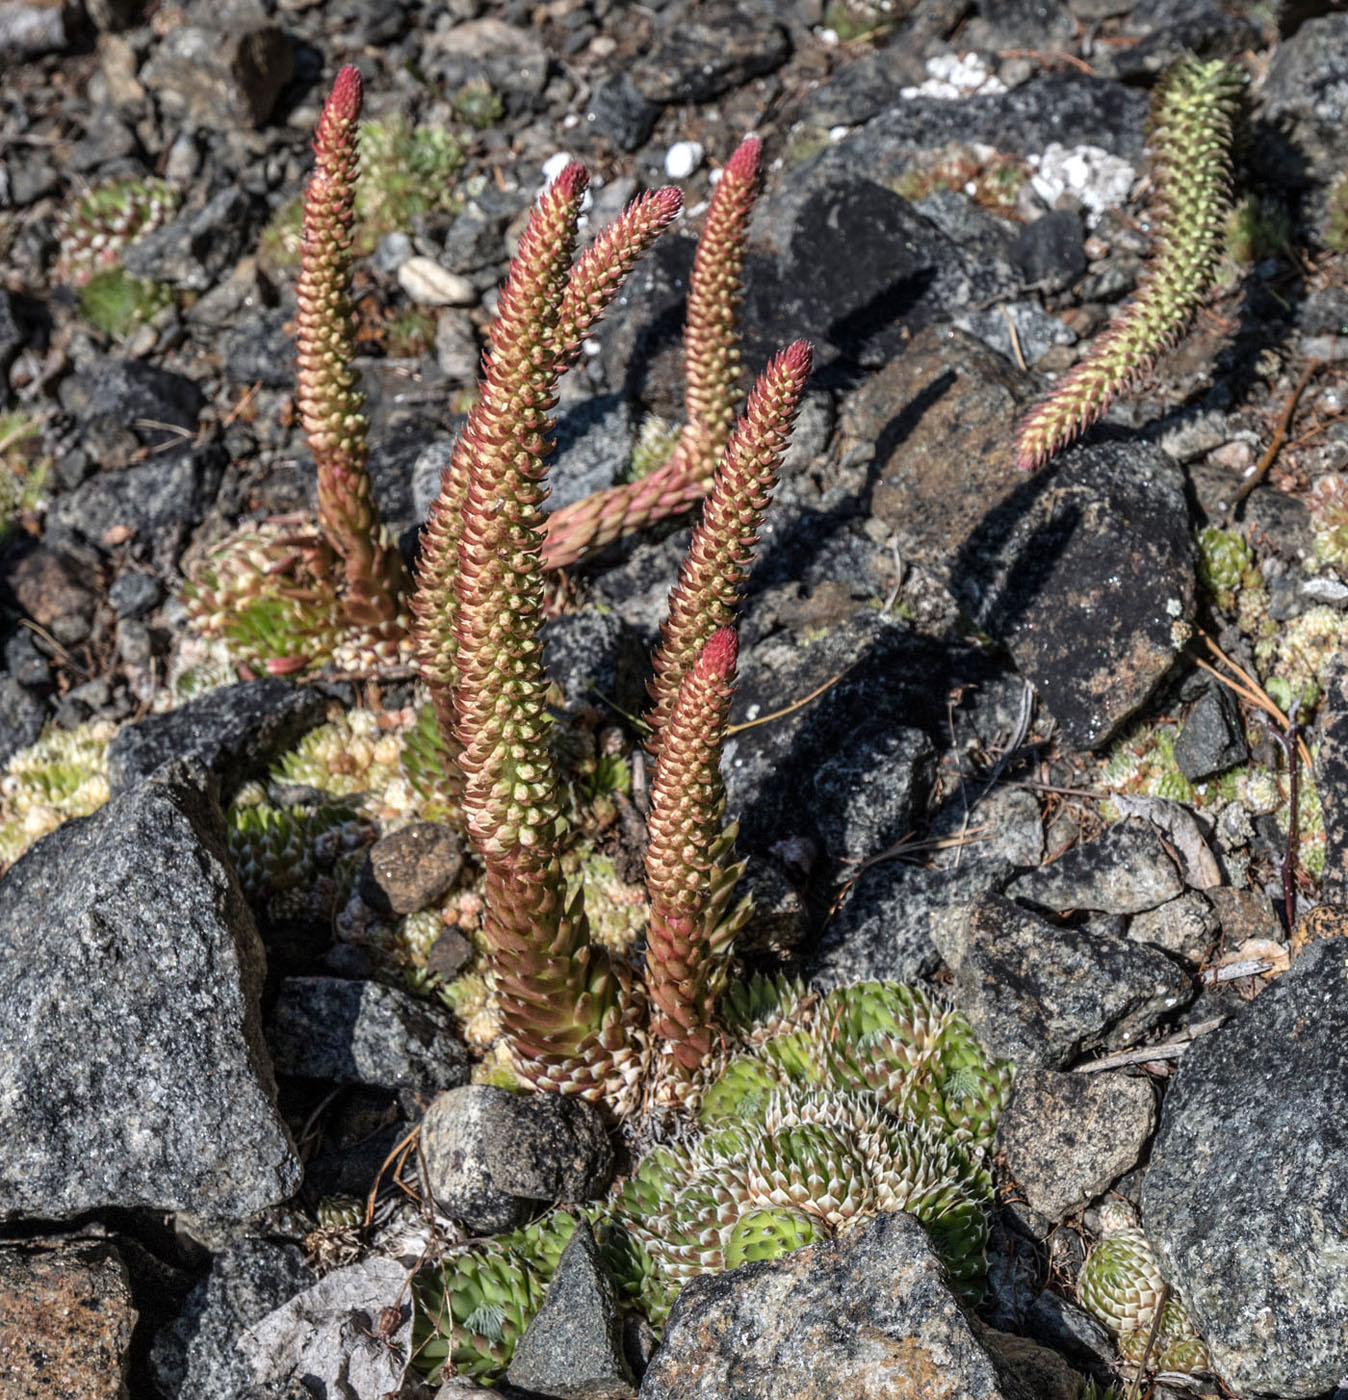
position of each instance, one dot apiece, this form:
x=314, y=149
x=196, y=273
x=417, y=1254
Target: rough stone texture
x=1039, y=994
x=573, y=1347
x=235, y=731
x=133, y=397
x=882, y=929
x=411, y=868
x=1068, y=1137
x=221, y=77
x=594, y=448
x=50, y=587
x=593, y=657
x=199, y=248
x=66, y=1315
x=197, y=1356
x=1246, y=1198
x=490, y=1155
x=136, y=1073
x=868, y=1316
x=363, y=1033
x=1212, y=738
x=21, y=717
x=866, y=801
x=1184, y=927
x=1124, y=871
x=1331, y=780
x=323, y=1336
x=1306, y=93
x=701, y=55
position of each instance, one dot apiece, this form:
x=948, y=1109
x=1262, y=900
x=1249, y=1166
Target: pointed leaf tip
x=668, y=200
x=571, y=182
x=798, y=357
x=743, y=165
x=347, y=94
x=720, y=654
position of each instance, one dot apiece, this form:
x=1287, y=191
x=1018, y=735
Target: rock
x=258, y=349
x=1212, y=737
x=199, y=248
x=710, y=51
x=427, y=471
x=490, y=1154
x=863, y=88
x=1048, y=252
x=22, y=716
x=1040, y=994
x=363, y=1033
x=31, y=27
x=449, y=955
x=49, y=586
x=1331, y=781
x=1069, y=1137
x=1040, y=1371
x=1183, y=927
x=136, y=1072
x=1246, y=1197
x=220, y=78
x=12, y=333
x=134, y=594
x=429, y=284
x=882, y=930
x=329, y=1335
x=1306, y=94
x=573, y=1347
x=1124, y=871
x=508, y=58
x=1324, y=921
x=1206, y=31
x=592, y=657
x=66, y=1315
x=456, y=348
x=594, y=448
x=158, y=408
x=476, y=239
x=197, y=1356
x=866, y=1316
x=619, y=113
x=867, y=796
x=411, y=868
x=235, y=731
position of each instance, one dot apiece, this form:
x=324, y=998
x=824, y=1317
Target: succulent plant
x=116, y=303
x=106, y=220
x=1193, y=119
x=63, y=774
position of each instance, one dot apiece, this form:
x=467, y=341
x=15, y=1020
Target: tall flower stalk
x=1193, y=119
x=330, y=401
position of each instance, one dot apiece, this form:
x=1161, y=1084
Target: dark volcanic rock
x=866, y=1316
x=199, y=247
x=363, y=1033
x=1127, y=870
x=866, y=797
x=1039, y=994
x=159, y=408
x=619, y=112
x=1246, y=1198
x=1067, y=1137
x=129, y=976
x=1331, y=780
x=21, y=717
x=220, y=77
x=572, y=1348
x=1212, y=737
x=235, y=731
x=703, y=54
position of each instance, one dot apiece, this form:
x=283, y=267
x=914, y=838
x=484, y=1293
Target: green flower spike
x=711, y=357
x=330, y=400
x=1193, y=119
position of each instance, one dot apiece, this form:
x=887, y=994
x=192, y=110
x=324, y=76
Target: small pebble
x=429, y=284
x=682, y=158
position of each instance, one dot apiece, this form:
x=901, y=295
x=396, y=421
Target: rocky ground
x=1051, y=773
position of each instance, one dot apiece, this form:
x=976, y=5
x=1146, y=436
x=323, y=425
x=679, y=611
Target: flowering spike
x=711, y=360
x=689, y=873
x=573, y=1019
x=720, y=554
x=1193, y=117
x=330, y=400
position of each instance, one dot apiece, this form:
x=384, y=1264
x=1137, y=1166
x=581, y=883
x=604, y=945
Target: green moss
x=115, y=303
x=1258, y=227
x=1336, y=218
x=478, y=106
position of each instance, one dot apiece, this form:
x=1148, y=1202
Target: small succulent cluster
x=1328, y=502
x=1121, y=1286
x=64, y=774
x=869, y=1099
x=988, y=177
x=115, y=303
x=1194, y=116
x=106, y=220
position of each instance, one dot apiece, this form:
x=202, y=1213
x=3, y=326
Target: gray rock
x=1331, y=781
x=510, y=58
x=220, y=78
x=258, y=349
x=135, y=594
x=29, y=29
x=1049, y=252
x=573, y=1347
x=882, y=929
x=160, y=408
x=595, y=657
x=328, y=1336
x=1306, y=93
x=619, y=112
x=1039, y=994
x=594, y=448
x=868, y=796
x=1069, y=1137
x=1212, y=737
x=363, y=1033
x=491, y=1155
x=1183, y=927
x=866, y=1316
x=411, y=868
x=50, y=586
x=11, y=332
x=1206, y=31
x=22, y=716
x=863, y=88
x=130, y=970
x=698, y=56
x=1124, y=871
x=235, y=731
x=200, y=246
x=1246, y=1197
x=197, y=1356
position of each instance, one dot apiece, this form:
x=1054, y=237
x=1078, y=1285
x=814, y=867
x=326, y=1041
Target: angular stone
x=221, y=77
x=1069, y=1137
x=1183, y=927
x=1212, y=738
x=1039, y=994
x=66, y=1315
x=1306, y=93
x=1246, y=1197
x=235, y=730
x=572, y=1349
x=198, y=249
x=411, y=868
x=868, y=1316
x=50, y=587
x=130, y=971
x=867, y=797
x=702, y=55
x=197, y=1356
x=1125, y=871
x=363, y=1033
x=22, y=716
